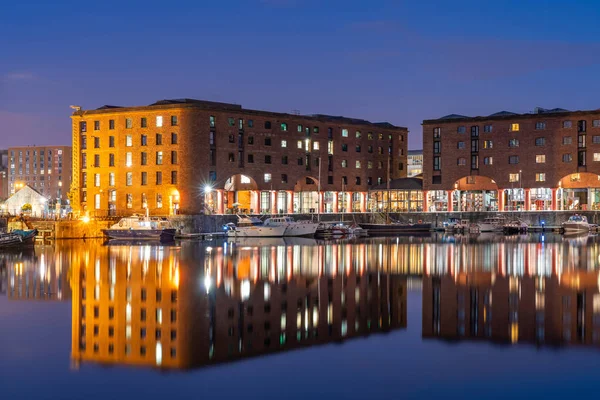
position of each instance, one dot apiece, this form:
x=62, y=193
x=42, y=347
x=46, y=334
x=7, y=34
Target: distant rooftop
x=204, y=104
x=509, y=114
x=415, y=152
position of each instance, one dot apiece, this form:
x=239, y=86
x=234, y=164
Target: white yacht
x=492, y=224
x=576, y=224
x=252, y=227
x=141, y=227
x=292, y=228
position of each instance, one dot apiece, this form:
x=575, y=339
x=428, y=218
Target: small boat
x=292, y=228
x=576, y=224
x=492, y=224
x=456, y=225
x=357, y=231
x=18, y=238
x=328, y=230
x=515, y=226
x=252, y=227
x=139, y=227
x=396, y=228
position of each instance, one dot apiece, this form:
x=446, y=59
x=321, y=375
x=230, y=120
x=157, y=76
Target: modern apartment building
x=191, y=156
x=544, y=160
x=415, y=162
x=47, y=169
x=3, y=174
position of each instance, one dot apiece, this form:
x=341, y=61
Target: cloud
x=19, y=76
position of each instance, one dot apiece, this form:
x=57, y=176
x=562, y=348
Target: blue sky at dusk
x=396, y=61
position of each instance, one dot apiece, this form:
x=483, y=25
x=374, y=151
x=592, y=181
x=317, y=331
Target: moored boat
x=328, y=230
x=252, y=227
x=18, y=238
x=492, y=224
x=576, y=224
x=139, y=227
x=292, y=228
x=396, y=228
x=515, y=226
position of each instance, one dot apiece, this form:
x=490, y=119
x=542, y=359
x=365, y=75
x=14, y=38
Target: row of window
x=129, y=159
x=284, y=127
x=515, y=127
x=129, y=123
x=540, y=141
x=129, y=178
x=112, y=197
x=128, y=140
x=539, y=159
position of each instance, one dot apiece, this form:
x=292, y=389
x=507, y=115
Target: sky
x=380, y=60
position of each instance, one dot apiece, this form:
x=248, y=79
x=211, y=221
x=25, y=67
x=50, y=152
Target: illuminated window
x=284, y=143
x=357, y=164
x=344, y=132
x=159, y=121
x=596, y=156
x=369, y=164
x=358, y=135
x=596, y=304
x=299, y=128
x=514, y=127
x=541, y=177
x=159, y=158
x=129, y=178
x=284, y=126
x=111, y=179
x=437, y=133
x=244, y=179
x=128, y=159
x=488, y=160
x=344, y=163
x=487, y=144
x=267, y=177
x=128, y=123
x=540, y=158
x=513, y=177
x=315, y=145
x=128, y=141
x=97, y=201
x=97, y=180
x=300, y=144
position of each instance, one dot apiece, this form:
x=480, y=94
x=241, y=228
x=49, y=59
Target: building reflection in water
x=538, y=293
x=35, y=274
x=189, y=306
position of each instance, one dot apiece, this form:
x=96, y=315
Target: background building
x=47, y=169
x=3, y=174
x=415, y=163
x=545, y=160
x=195, y=156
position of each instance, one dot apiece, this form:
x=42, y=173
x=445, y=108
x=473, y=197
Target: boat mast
x=387, y=215
x=319, y=200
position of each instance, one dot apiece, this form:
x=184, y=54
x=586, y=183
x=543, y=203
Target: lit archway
x=579, y=191
x=475, y=193
x=241, y=194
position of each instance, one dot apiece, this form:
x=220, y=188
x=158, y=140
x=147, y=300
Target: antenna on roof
x=296, y=112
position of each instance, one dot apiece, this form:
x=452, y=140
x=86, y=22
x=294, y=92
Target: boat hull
x=256, y=231
x=140, y=234
x=300, y=229
x=392, y=229
x=575, y=228
x=17, y=240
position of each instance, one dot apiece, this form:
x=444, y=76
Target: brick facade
x=237, y=142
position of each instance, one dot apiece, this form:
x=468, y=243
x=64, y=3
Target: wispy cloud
x=18, y=76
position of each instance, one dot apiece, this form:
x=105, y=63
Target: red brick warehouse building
x=194, y=156
x=545, y=160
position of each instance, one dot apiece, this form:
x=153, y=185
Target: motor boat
x=456, y=225
x=252, y=227
x=492, y=224
x=17, y=238
x=140, y=227
x=292, y=228
x=576, y=224
x=328, y=230
x=515, y=226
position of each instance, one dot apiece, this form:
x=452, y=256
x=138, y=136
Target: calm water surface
x=420, y=317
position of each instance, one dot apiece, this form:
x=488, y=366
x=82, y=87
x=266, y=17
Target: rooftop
x=509, y=115
x=218, y=106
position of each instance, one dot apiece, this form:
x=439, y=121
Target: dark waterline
x=402, y=358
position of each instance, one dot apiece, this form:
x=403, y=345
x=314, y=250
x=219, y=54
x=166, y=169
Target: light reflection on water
x=196, y=304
